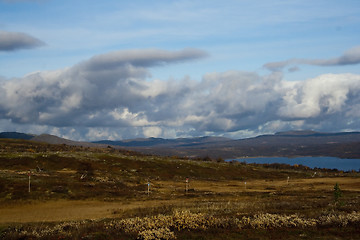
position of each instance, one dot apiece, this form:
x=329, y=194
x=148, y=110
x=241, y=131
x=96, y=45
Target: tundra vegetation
x=107, y=193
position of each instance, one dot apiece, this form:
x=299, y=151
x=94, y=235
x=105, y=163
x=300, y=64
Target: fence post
x=29, y=174
x=148, y=188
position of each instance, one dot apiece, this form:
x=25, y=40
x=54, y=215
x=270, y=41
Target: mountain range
x=286, y=144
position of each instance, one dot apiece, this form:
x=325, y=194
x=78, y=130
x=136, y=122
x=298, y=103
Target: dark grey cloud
x=110, y=96
x=294, y=69
x=142, y=58
x=350, y=57
x=11, y=41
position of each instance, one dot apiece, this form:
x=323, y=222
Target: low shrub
x=339, y=220
x=167, y=226
x=153, y=234
x=271, y=221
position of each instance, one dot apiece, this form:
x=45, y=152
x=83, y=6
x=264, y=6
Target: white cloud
x=325, y=95
x=152, y=131
x=109, y=96
x=92, y=88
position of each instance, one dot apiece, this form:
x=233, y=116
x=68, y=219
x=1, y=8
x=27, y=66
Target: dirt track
x=56, y=211
x=64, y=210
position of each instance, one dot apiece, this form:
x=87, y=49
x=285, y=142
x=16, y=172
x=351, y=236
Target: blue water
x=312, y=162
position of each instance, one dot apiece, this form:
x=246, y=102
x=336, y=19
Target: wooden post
x=187, y=185
x=245, y=185
x=29, y=174
x=148, y=189
x=288, y=180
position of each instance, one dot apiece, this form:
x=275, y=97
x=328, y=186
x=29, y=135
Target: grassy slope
x=60, y=171
x=91, y=176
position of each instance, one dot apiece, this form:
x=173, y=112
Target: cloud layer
x=350, y=57
x=11, y=41
x=111, y=96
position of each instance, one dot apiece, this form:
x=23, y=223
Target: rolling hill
x=286, y=144
x=16, y=135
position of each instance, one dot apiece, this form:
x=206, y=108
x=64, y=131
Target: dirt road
x=65, y=210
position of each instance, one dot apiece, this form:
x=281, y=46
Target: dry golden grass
x=227, y=194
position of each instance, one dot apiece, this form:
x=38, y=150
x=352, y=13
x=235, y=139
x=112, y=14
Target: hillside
x=171, y=143
x=16, y=135
x=285, y=144
x=81, y=192
x=47, y=138
x=64, y=171
x=76, y=172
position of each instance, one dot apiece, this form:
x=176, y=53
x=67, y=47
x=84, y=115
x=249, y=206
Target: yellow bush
x=339, y=219
x=154, y=234
x=269, y=221
x=165, y=226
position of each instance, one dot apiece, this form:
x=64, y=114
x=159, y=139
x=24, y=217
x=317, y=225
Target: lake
x=312, y=162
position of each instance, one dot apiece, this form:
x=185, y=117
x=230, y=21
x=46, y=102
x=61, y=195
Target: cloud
x=109, y=95
x=11, y=41
x=106, y=90
x=326, y=95
x=294, y=69
x=350, y=57
x=142, y=58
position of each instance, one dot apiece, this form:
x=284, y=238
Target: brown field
x=70, y=210
x=84, y=193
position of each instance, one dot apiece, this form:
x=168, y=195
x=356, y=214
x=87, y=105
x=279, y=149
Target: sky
x=91, y=70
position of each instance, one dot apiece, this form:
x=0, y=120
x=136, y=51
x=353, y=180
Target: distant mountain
x=296, y=133
x=152, y=142
x=302, y=137
x=314, y=134
x=51, y=139
x=16, y=135
x=285, y=144
x=46, y=138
